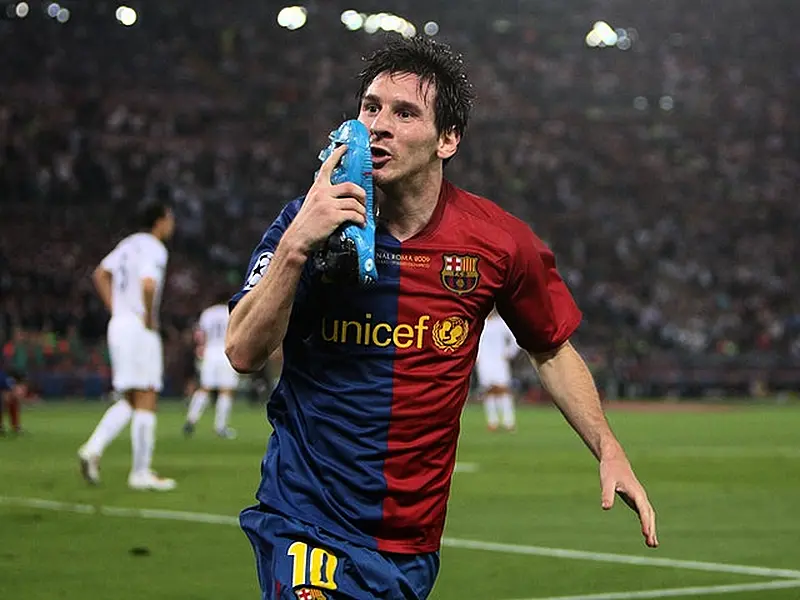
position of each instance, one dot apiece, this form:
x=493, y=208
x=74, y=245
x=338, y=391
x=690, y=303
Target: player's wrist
x=610, y=450
x=295, y=250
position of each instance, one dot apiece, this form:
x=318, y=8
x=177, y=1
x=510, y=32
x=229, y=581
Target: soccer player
x=13, y=391
x=496, y=349
x=216, y=373
x=130, y=280
x=357, y=472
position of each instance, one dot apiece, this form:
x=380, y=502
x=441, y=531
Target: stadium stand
x=664, y=175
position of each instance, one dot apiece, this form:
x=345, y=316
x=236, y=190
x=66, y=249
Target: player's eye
x=370, y=108
x=404, y=114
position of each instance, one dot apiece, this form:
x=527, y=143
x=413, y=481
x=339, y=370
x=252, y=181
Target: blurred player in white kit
x=216, y=373
x=130, y=281
x=496, y=349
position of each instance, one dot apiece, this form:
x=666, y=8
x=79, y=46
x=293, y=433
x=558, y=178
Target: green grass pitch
x=725, y=484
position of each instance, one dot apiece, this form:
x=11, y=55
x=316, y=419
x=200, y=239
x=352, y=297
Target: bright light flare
x=292, y=17
x=126, y=15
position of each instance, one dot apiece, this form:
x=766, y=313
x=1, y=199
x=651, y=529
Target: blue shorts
x=298, y=561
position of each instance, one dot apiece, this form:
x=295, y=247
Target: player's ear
x=448, y=144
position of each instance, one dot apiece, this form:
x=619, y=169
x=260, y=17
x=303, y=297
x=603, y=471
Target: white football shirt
x=137, y=257
x=497, y=342
x=213, y=323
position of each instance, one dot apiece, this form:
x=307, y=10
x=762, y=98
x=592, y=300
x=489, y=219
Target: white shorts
x=493, y=373
x=216, y=372
x=137, y=358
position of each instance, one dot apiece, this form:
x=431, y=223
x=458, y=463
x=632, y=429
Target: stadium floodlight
x=126, y=15
x=609, y=36
x=602, y=35
x=292, y=17
x=386, y=22
x=666, y=103
x=372, y=24
x=353, y=20
x=408, y=30
x=52, y=10
x=431, y=28
x=391, y=23
x=62, y=16
x=22, y=9
x=623, y=41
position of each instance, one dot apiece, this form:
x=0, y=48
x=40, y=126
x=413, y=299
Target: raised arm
x=259, y=321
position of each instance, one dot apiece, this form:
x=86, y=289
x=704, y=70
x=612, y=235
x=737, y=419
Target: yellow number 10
x=322, y=571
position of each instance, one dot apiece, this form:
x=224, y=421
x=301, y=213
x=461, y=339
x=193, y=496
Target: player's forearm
x=149, y=293
x=259, y=321
x=102, y=283
x=565, y=375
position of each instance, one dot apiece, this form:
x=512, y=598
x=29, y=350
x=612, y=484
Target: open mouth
x=380, y=156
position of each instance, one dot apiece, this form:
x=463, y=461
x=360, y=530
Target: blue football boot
x=349, y=253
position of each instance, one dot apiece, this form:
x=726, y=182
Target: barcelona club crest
x=460, y=273
x=307, y=593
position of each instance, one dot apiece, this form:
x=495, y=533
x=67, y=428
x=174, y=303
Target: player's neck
x=407, y=208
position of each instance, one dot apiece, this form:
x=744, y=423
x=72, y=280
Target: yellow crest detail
x=450, y=334
x=460, y=273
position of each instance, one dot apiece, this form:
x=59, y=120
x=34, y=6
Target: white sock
x=143, y=439
x=224, y=403
x=490, y=407
x=506, y=403
x=109, y=427
x=197, y=406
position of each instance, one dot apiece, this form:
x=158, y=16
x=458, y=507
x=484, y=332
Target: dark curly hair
x=434, y=63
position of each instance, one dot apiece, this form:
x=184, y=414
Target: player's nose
x=378, y=126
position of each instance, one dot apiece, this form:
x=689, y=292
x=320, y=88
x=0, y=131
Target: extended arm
x=565, y=375
x=259, y=321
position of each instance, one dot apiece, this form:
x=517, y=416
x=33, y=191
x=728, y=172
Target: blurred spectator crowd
x=664, y=176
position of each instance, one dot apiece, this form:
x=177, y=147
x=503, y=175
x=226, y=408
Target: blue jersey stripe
x=331, y=410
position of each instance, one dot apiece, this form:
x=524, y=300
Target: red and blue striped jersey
x=366, y=413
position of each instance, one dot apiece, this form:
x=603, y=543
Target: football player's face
x=167, y=225
x=401, y=120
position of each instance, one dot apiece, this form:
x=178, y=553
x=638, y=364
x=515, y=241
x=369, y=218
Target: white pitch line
x=625, y=559
x=215, y=519
x=466, y=467
x=118, y=511
x=168, y=515
x=780, y=584
x=86, y=509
